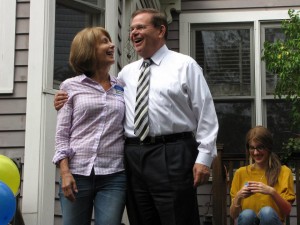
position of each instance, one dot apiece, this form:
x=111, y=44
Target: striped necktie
x=141, y=121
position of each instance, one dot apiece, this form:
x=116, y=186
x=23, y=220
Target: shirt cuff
x=204, y=159
x=62, y=155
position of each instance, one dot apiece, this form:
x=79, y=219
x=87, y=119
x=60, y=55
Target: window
x=226, y=54
x=70, y=18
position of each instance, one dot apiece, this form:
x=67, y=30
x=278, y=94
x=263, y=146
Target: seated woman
x=262, y=192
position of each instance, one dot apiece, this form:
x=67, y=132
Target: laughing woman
x=89, y=135
x=262, y=192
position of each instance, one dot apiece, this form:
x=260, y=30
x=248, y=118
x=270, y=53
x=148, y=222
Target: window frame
x=263, y=26
x=256, y=17
x=7, y=45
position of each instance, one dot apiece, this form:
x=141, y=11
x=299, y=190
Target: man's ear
x=162, y=31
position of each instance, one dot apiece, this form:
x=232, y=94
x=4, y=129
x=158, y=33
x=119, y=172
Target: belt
x=159, y=139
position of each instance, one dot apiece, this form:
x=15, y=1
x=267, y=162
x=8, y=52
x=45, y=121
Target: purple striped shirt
x=89, y=128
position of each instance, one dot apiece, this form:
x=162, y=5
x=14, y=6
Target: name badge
x=119, y=90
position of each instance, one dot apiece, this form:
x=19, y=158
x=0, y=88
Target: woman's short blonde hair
x=83, y=58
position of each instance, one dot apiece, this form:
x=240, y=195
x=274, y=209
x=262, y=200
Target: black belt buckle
x=148, y=140
x=152, y=140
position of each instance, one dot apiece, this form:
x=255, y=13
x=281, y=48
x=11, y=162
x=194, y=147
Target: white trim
x=7, y=45
x=236, y=16
x=111, y=25
x=257, y=74
x=186, y=19
x=39, y=172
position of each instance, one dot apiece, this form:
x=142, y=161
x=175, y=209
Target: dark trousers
x=160, y=183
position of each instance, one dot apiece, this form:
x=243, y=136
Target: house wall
x=13, y=106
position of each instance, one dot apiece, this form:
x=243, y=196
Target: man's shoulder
x=129, y=67
x=132, y=65
x=180, y=56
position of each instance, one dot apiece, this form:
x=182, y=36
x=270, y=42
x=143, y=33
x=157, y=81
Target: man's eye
x=138, y=27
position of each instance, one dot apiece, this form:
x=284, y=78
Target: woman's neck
x=101, y=75
x=260, y=166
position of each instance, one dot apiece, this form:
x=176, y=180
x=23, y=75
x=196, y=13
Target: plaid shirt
x=90, y=127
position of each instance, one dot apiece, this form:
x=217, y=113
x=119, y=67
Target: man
x=165, y=168
x=174, y=153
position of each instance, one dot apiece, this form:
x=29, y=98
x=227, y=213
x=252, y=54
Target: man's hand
x=60, y=98
x=201, y=174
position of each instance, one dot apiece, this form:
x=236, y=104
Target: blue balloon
x=7, y=204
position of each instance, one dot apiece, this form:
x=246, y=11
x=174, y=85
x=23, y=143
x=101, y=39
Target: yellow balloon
x=9, y=174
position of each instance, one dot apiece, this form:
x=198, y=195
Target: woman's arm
x=236, y=205
x=68, y=183
x=283, y=205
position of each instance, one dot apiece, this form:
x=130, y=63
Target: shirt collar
x=85, y=78
x=158, y=56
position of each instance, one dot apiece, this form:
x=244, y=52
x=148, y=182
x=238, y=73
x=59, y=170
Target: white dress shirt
x=179, y=100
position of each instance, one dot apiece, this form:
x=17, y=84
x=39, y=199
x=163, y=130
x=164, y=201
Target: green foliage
x=289, y=149
x=282, y=58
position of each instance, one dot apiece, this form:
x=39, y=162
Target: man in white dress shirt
x=166, y=167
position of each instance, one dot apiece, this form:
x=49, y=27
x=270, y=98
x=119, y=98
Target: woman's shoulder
x=241, y=169
x=285, y=169
x=70, y=82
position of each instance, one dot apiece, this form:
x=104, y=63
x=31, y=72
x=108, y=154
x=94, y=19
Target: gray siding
x=13, y=106
x=173, y=35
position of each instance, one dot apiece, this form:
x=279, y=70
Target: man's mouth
x=137, y=40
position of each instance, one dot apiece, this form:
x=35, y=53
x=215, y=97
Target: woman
x=262, y=192
x=89, y=135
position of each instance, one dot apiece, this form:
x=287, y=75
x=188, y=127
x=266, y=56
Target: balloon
x=9, y=173
x=7, y=204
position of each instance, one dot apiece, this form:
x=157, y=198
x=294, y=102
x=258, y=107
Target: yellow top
x=284, y=187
